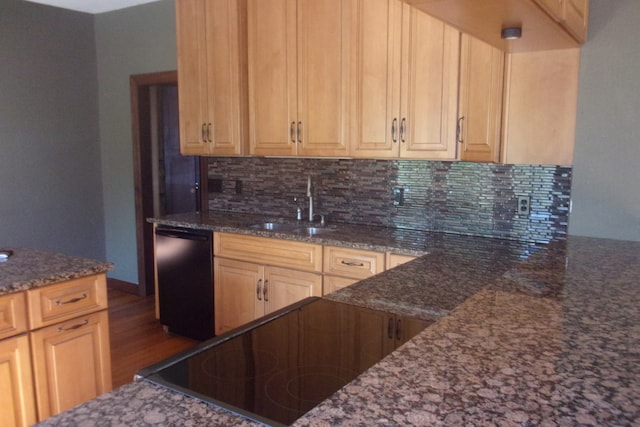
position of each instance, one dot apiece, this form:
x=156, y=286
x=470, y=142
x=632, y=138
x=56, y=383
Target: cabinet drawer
x=56, y=303
x=263, y=250
x=13, y=314
x=353, y=263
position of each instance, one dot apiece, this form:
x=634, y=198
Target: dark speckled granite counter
x=527, y=335
x=30, y=268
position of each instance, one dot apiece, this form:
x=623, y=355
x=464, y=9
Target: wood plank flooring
x=137, y=337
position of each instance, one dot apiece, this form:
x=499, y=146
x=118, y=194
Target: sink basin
x=294, y=228
x=316, y=230
x=274, y=226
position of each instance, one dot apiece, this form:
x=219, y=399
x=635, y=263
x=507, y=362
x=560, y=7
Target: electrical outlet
x=524, y=205
x=398, y=197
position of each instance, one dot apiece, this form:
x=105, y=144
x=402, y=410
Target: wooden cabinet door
x=376, y=103
x=211, y=106
x=406, y=83
x=324, y=76
x=71, y=362
x=576, y=18
x=191, y=28
x=238, y=293
x=480, y=102
x=394, y=260
x=429, y=91
x=334, y=283
x=284, y=287
x=555, y=8
x=272, y=76
x=17, y=400
x=407, y=328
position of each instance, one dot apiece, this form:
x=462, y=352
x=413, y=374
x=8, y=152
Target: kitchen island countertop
x=29, y=268
x=527, y=335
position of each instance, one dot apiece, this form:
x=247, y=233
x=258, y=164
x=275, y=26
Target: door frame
x=140, y=85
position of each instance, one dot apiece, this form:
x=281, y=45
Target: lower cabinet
x=245, y=291
x=71, y=363
x=17, y=401
x=54, y=349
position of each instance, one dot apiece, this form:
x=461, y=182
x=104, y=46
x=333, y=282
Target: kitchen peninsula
x=526, y=334
x=54, y=333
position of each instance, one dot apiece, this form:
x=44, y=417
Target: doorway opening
x=165, y=181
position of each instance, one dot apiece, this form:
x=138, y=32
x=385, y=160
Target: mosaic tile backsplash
x=456, y=197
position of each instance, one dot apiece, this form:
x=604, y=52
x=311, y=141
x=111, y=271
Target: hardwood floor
x=137, y=337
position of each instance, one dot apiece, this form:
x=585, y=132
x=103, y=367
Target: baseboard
x=123, y=286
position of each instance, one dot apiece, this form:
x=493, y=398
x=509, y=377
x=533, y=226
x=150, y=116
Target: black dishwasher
x=184, y=260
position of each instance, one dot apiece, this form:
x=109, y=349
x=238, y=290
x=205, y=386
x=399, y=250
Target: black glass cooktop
x=277, y=369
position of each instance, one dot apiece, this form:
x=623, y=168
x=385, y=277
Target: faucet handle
x=321, y=218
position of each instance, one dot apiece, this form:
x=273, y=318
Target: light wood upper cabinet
x=576, y=18
x=17, y=399
x=573, y=15
x=539, y=120
x=405, y=102
x=211, y=70
x=299, y=77
x=480, y=102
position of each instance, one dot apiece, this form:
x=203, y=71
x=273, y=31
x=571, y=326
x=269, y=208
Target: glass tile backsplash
x=457, y=197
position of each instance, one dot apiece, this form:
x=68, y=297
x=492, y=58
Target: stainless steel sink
x=274, y=226
x=316, y=230
x=291, y=227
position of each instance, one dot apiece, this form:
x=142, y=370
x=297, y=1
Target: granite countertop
x=31, y=268
x=525, y=335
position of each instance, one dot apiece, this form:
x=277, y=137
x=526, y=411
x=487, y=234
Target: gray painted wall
x=50, y=180
x=130, y=41
x=606, y=174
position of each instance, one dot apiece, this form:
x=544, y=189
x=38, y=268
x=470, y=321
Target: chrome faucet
x=309, y=195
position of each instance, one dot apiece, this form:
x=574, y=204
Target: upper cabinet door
x=406, y=83
x=210, y=77
x=299, y=77
x=272, y=76
x=324, y=79
x=576, y=17
x=480, y=103
x=192, y=76
x=429, y=95
x=376, y=102
x=554, y=7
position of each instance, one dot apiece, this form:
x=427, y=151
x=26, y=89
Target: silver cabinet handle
x=292, y=132
x=394, y=125
x=403, y=126
x=459, y=130
x=352, y=263
x=259, y=290
x=72, y=300
x=74, y=327
x=264, y=291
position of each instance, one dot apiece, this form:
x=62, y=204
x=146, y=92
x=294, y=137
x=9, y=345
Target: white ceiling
x=92, y=6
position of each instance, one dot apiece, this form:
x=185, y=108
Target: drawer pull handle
x=352, y=263
x=74, y=327
x=72, y=300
